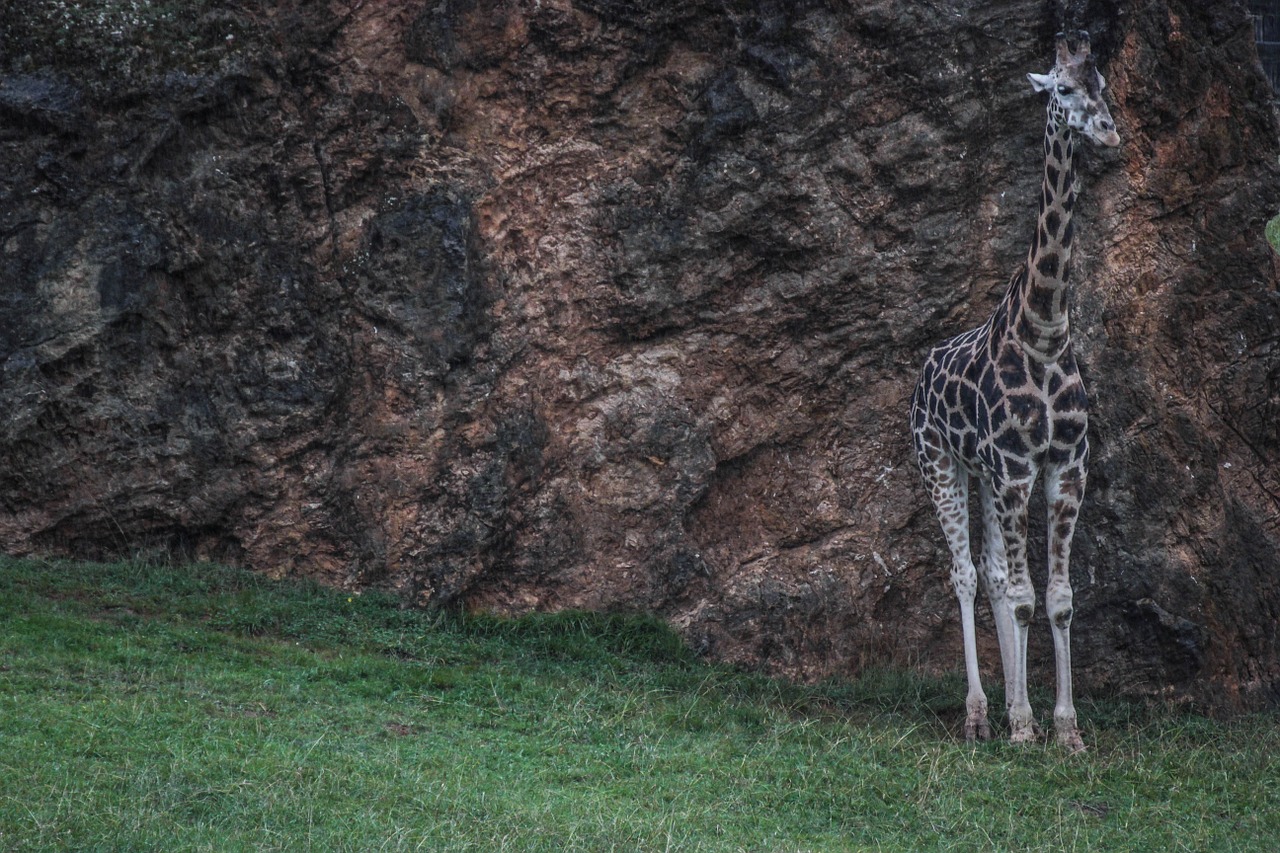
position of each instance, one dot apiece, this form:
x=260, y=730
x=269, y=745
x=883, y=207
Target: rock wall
x=596, y=304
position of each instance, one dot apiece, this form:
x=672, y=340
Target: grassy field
x=200, y=708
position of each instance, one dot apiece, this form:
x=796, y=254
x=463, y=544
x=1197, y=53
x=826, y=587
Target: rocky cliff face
x=619, y=305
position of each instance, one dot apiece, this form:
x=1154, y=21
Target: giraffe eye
x=1066, y=90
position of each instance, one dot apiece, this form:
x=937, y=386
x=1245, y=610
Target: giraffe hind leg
x=948, y=486
x=995, y=578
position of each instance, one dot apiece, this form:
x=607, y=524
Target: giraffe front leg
x=1064, y=492
x=1011, y=501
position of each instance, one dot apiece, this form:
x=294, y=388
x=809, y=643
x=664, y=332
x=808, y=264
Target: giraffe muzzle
x=1102, y=130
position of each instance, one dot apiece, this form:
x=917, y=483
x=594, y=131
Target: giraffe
x=1004, y=404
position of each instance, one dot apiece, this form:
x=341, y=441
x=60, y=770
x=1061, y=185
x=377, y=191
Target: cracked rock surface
x=592, y=304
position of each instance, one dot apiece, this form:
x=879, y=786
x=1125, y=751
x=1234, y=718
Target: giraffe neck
x=1040, y=320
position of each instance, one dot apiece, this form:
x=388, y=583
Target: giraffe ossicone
x=1004, y=405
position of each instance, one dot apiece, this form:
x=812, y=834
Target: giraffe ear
x=1041, y=82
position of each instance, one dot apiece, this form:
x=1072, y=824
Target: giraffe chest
x=1037, y=413
x=1003, y=413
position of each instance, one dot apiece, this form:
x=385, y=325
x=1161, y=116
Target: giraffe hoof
x=976, y=730
x=1071, y=741
x=1023, y=733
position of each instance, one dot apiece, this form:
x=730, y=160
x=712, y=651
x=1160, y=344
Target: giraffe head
x=1075, y=90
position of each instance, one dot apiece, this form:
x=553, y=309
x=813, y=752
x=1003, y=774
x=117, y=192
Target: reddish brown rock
x=618, y=305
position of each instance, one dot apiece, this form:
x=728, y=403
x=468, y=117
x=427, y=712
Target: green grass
x=152, y=708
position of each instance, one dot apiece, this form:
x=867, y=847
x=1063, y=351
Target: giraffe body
x=1003, y=405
